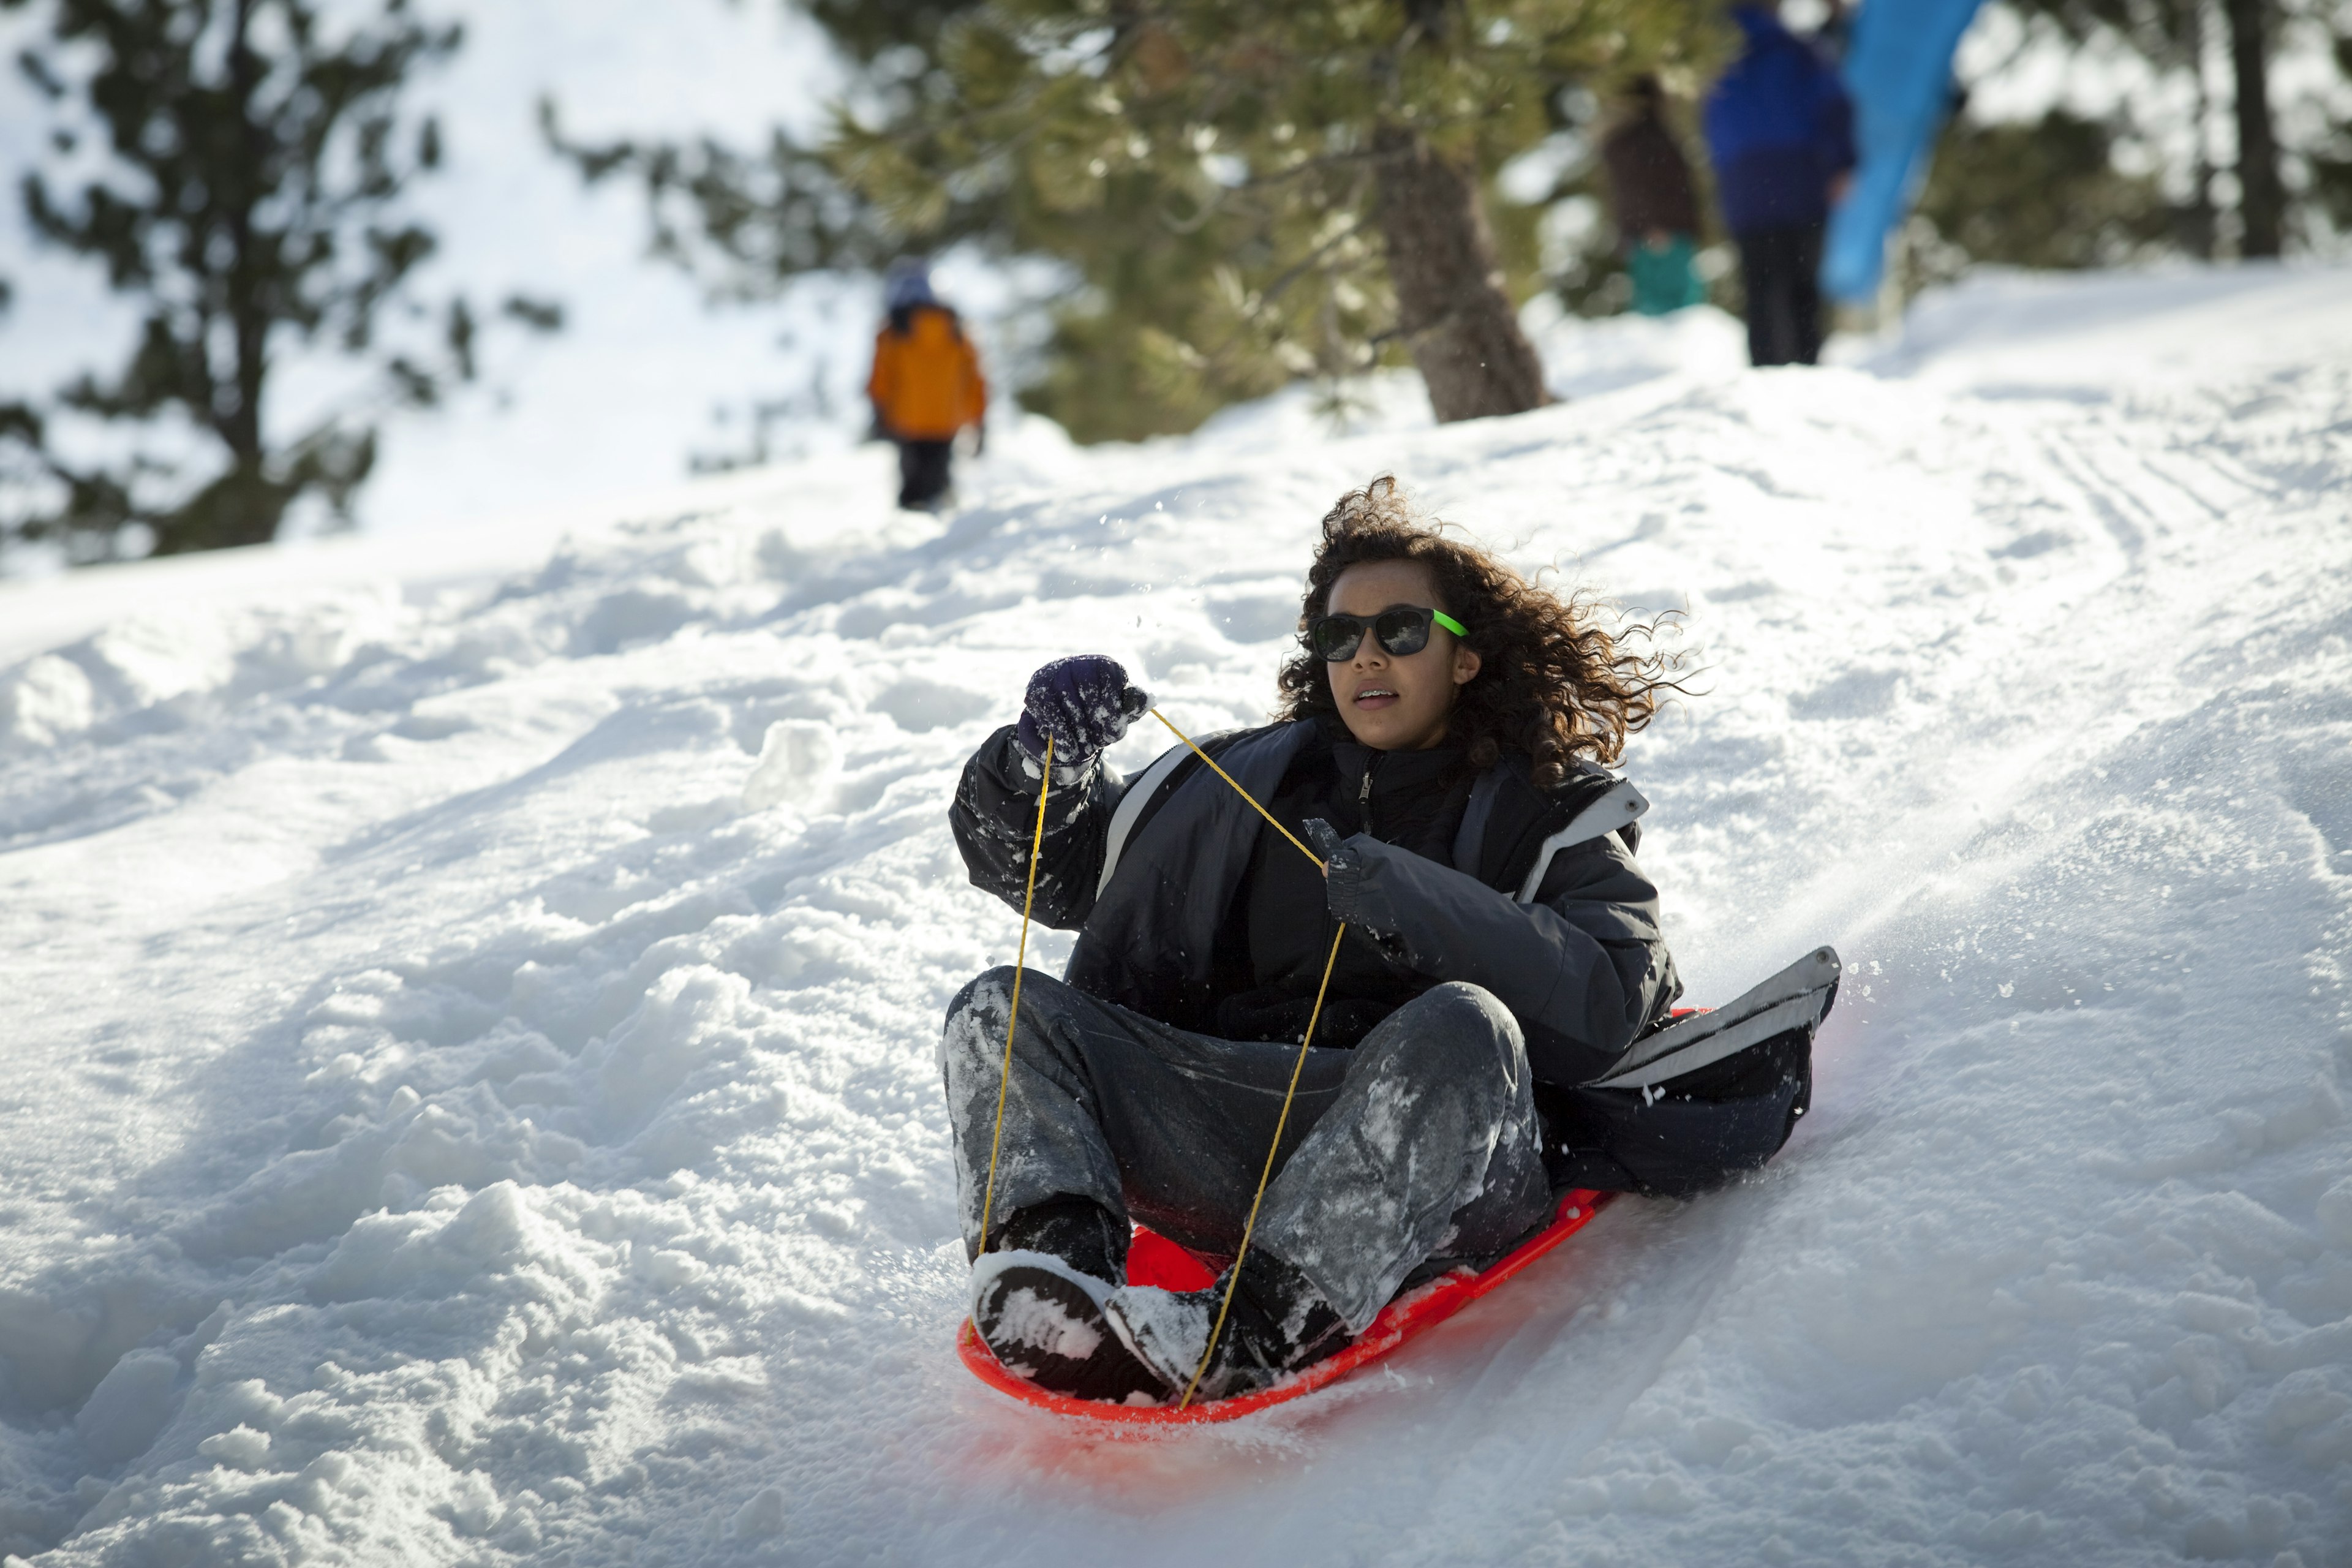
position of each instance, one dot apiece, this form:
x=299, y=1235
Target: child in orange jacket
x=925, y=384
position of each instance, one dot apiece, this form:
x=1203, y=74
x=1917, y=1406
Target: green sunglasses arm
x=1450, y=624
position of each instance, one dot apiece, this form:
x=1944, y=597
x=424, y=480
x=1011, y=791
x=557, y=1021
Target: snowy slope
x=470, y=1093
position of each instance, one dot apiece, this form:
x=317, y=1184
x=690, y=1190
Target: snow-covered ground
x=469, y=1092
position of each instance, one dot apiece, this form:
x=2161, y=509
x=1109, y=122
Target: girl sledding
x=1356, y=996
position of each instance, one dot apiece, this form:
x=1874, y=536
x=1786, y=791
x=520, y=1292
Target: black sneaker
x=1079, y=1231
x=1278, y=1324
x=1043, y=1320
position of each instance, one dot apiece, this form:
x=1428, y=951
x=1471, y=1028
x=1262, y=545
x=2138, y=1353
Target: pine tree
x=249, y=200
x=2040, y=193
x=1247, y=193
x=1263, y=192
x=2291, y=162
x=749, y=222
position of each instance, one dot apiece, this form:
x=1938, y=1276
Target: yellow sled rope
x=1020, y=966
x=1036, y=845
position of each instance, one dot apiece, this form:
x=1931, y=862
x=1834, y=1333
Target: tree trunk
x=2196, y=223
x=1450, y=308
x=2262, y=199
x=242, y=507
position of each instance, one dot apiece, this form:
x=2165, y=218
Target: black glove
x=1085, y=702
x=1343, y=869
x=1343, y=889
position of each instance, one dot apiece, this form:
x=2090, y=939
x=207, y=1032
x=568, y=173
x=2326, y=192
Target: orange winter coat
x=926, y=383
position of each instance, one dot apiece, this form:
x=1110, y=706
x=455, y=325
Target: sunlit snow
x=471, y=1006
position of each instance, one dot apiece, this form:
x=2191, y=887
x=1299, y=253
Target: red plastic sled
x=1155, y=1260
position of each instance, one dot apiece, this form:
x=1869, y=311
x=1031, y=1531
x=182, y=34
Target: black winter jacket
x=1541, y=903
x=1275, y=938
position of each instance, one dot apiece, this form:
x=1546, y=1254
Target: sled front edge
x=1400, y=1320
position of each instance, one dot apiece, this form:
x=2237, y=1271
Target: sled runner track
x=1402, y=1319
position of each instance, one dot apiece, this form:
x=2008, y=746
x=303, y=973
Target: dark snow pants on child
x=923, y=472
x=1421, y=1143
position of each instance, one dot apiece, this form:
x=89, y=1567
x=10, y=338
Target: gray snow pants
x=1419, y=1145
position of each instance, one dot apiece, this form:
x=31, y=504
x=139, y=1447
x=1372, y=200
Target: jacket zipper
x=1364, y=795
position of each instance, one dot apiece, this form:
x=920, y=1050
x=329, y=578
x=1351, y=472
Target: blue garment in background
x=1778, y=128
x=1898, y=68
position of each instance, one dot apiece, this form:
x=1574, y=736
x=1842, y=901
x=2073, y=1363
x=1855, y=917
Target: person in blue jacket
x=1780, y=130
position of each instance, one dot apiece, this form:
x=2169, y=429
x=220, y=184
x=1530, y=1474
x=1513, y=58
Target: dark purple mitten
x=1085, y=702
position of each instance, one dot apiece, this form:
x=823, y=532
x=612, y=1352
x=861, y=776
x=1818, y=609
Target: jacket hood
x=907, y=283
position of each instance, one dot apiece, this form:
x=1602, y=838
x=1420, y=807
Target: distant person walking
x=1780, y=130
x=1658, y=214
x=925, y=384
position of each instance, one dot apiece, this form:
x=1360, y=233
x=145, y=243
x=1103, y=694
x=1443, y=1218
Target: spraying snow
x=472, y=1089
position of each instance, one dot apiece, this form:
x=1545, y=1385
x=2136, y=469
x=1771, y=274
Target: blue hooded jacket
x=1778, y=127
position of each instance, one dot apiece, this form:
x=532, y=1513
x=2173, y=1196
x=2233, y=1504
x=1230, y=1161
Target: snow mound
x=472, y=1092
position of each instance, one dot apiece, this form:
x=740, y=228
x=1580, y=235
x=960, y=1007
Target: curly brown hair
x=1553, y=683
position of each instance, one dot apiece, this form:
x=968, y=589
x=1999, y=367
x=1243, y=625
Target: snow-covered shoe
x=1043, y=1320
x=1278, y=1323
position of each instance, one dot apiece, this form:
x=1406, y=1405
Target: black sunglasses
x=1401, y=631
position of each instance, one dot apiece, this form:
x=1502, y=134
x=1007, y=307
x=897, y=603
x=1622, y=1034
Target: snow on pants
x=1421, y=1144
